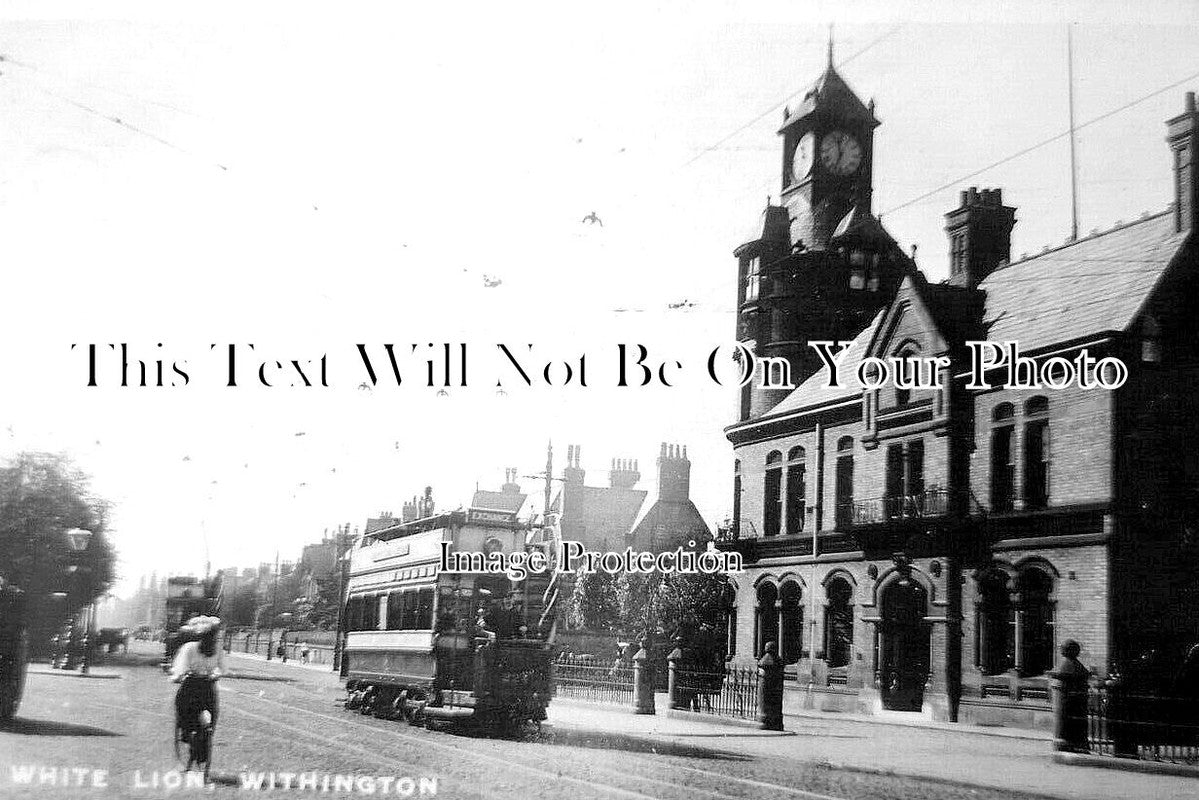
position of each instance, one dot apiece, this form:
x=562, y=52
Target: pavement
x=951, y=756
x=291, y=662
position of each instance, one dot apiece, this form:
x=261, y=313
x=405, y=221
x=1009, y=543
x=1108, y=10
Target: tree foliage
x=42, y=496
x=672, y=604
x=656, y=606
x=595, y=603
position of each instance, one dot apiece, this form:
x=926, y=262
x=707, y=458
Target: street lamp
x=78, y=539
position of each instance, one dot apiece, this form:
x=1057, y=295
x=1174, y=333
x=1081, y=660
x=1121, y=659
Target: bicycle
x=197, y=732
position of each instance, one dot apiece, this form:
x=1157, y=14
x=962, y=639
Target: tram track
x=674, y=787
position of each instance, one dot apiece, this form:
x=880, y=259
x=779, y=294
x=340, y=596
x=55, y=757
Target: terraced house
x=927, y=550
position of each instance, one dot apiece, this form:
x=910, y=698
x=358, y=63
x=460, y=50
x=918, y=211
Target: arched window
x=791, y=622
x=1034, y=590
x=773, y=501
x=1036, y=453
x=766, y=618
x=905, y=374
x=838, y=623
x=796, y=489
x=1003, y=465
x=844, y=483
x=729, y=614
x=995, y=623
x=736, y=498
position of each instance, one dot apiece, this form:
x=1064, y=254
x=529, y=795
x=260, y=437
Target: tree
x=318, y=611
x=42, y=496
x=239, y=609
x=668, y=605
x=595, y=603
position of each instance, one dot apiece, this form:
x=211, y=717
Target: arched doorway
x=903, y=645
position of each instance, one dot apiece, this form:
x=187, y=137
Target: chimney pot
x=963, y=202
x=1190, y=101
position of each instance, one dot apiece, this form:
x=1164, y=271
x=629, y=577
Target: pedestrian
x=303, y=652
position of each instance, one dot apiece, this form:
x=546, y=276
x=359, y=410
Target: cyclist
x=198, y=663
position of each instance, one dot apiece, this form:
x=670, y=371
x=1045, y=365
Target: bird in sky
x=301, y=433
x=491, y=282
x=593, y=219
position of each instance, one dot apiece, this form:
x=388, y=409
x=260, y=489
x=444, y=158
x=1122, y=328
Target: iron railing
x=732, y=692
x=1146, y=727
x=586, y=678
x=929, y=503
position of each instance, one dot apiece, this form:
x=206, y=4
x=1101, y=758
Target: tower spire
x=830, y=45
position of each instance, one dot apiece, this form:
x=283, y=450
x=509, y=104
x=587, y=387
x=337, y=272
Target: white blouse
x=190, y=659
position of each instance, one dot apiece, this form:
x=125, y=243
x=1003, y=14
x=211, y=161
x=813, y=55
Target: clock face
x=801, y=160
x=840, y=153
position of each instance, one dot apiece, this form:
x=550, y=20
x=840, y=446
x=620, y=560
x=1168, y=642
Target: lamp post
x=78, y=539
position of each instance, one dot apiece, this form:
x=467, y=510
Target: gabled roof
x=1068, y=294
x=815, y=391
x=669, y=524
x=607, y=513
x=1094, y=285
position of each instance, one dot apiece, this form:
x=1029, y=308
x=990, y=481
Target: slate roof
x=815, y=391
x=668, y=524
x=498, y=501
x=607, y=513
x=831, y=91
x=1096, y=284
x=1078, y=290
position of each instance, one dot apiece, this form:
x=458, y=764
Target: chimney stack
x=674, y=474
x=1183, y=136
x=980, y=235
x=624, y=473
x=573, y=473
x=410, y=511
x=510, y=485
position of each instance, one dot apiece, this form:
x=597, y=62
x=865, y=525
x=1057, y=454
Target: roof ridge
x=1119, y=226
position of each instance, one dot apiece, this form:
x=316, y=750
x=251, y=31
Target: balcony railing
x=929, y=503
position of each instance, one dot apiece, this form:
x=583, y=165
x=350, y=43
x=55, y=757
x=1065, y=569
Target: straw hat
x=202, y=625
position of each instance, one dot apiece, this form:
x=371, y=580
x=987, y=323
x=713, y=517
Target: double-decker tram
x=430, y=645
x=187, y=597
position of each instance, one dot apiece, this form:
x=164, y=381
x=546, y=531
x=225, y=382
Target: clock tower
x=828, y=150
x=819, y=266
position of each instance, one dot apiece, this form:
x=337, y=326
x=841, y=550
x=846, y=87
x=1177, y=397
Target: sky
x=306, y=179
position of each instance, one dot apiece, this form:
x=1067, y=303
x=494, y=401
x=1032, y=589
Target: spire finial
x=830, y=45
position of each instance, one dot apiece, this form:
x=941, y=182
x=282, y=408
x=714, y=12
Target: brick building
x=616, y=516
x=927, y=550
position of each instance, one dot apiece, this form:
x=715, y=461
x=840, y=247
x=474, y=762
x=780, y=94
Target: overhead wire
x=1025, y=151
x=5, y=58
x=774, y=107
